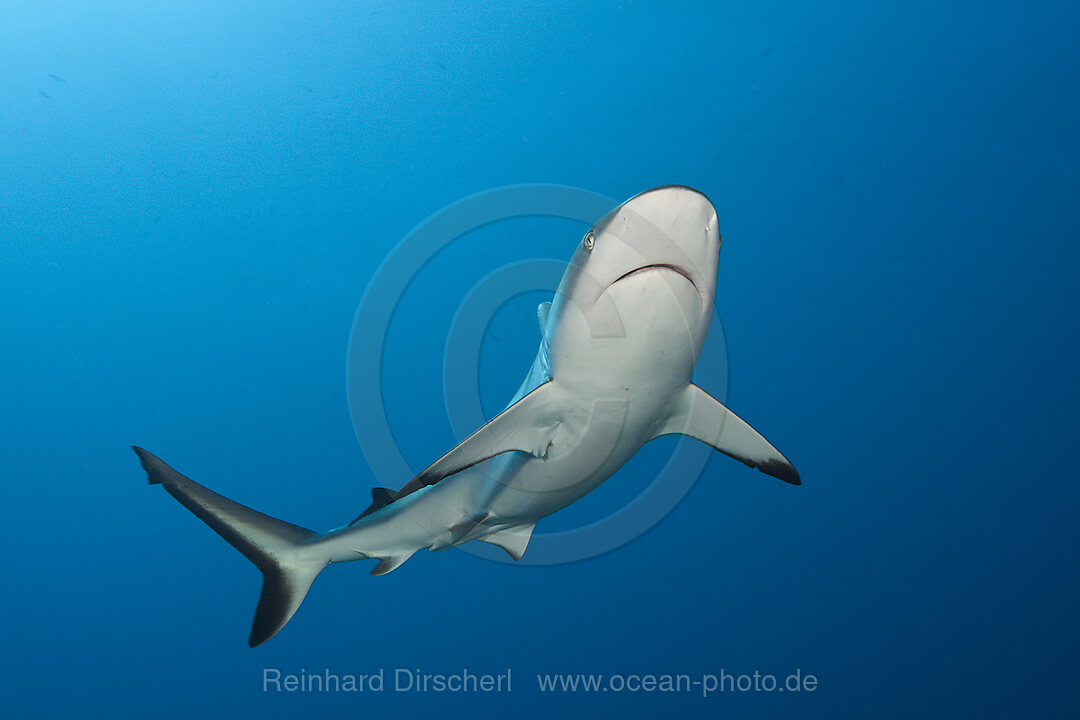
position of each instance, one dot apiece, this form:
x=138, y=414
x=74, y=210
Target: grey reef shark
x=619, y=343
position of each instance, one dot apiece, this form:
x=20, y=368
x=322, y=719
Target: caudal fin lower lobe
x=268, y=542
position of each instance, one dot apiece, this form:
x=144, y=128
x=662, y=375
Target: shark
x=619, y=343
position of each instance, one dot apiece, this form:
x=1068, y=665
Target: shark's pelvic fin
x=699, y=415
x=513, y=540
x=462, y=532
x=527, y=426
x=268, y=542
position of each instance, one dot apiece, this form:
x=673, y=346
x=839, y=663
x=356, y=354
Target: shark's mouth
x=658, y=266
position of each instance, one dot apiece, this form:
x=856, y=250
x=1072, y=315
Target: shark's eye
x=589, y=240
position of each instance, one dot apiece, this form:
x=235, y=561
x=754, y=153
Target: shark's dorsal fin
x=527, y=426
x=542, y=312
x=699, y=415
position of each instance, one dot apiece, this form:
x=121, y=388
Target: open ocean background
x=194, y=196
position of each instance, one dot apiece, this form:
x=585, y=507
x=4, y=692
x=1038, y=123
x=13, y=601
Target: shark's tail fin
x=274, y=546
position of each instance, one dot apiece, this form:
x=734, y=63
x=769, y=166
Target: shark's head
x=645, y=272
x=671, y=228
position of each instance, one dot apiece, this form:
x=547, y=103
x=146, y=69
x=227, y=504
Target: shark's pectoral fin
x=513, y=540
x=527, y=426
x=702, y=417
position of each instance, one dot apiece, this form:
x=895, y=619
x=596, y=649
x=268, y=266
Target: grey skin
x=619, y=343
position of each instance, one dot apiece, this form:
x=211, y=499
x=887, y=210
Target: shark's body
x=620, y=341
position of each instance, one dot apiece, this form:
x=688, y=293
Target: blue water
x=191, y=209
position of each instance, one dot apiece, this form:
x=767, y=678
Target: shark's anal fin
x=699, y=415
x=389, y=563
x=527, y=426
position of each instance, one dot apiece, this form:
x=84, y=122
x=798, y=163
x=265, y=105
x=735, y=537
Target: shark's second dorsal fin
x=380, y=498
